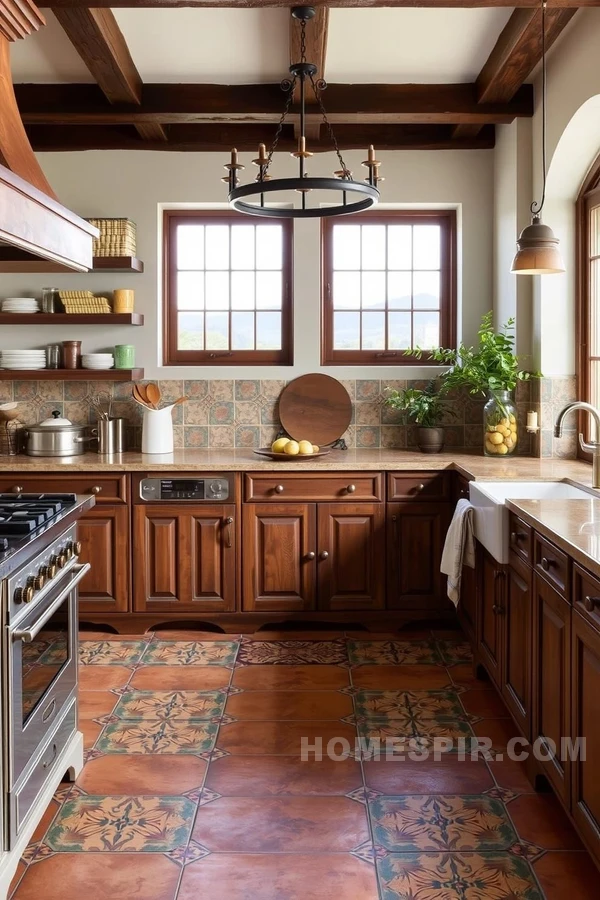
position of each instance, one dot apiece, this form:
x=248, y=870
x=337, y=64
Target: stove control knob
x=62, y=559
x=38, y=582
x=53, y=562
x=48, y=571
x=24, y=594
x=216, y=487
x=75, y=548
x=68, y=551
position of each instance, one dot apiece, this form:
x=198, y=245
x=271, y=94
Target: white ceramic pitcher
x=157, y=430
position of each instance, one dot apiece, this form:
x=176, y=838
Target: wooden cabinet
x=467, y=608
x=279, y=557
x=490, y=613
x=517, y=661
x=585, y=723
x=416, y=534
x=184, y=557
x=551, y=678
x=302, y=556
x=104, y=535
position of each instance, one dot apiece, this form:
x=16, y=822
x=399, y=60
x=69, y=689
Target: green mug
x=124, y=356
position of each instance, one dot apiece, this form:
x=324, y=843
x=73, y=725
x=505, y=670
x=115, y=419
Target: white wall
x=135, y=183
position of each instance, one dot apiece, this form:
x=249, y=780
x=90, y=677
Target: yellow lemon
x=505, y=422
x=305, y=448
x=292, y=448
x=512, y=419
x=509, y=442
x=315, y=448
x=278, y=445
x=491, y=448
x=513, y=428
x=495, y=438
x=501, y=449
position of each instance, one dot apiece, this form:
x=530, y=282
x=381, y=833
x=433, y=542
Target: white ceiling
x=237, y=46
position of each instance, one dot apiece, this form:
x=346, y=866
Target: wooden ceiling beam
x=100, y=43
x=170, y=104
x=221, y=137
x=346, y=4
x=316, y=42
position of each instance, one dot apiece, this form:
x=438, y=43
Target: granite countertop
x=471, y=465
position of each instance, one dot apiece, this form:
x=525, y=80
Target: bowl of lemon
x=287, y=449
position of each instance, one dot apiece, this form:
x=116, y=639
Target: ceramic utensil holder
x=157, y=430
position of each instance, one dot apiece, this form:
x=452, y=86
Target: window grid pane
x=400, y=269
x=229, y=286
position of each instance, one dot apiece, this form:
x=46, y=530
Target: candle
x=371, y=153
x=532, y=419
x=262, y=151
x=234, y=157
x=302, y=144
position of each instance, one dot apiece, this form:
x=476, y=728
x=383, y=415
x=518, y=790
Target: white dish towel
x=459, y=549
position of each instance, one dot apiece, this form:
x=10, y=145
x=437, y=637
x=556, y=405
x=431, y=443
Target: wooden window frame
x=588, y=194
x=172, y=355
x=446, y=218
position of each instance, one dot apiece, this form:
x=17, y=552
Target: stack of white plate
x=20, y=305
x=97, y=361
x=23, y=359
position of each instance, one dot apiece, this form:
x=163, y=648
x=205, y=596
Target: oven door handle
x=28, y=634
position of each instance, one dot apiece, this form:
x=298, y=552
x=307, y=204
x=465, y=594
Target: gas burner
x=22, y=514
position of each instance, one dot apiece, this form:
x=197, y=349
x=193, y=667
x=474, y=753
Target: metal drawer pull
x=323, y=554
x=546, y=563
x=17, y=489
x=279, y=489
x=49, y=711
x=351, y=488
x=419, y=488
x=591, y=603
x=498, y=610
x=516, y=536
x=311, y=554
x=96, y=489
x=52, y=758
x=27, y=635
x=228, y=538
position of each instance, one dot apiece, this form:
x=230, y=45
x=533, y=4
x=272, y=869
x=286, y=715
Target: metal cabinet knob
x=96, y=489
x=419, y=488
x=311, y=554
x=279, y=489
x=591, y=603
x=514, y=537
x=545, y=563
x=17, y=489
x=498, y=610
x=351, y=488
x=323, y=554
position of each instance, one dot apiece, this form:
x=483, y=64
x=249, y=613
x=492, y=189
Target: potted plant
x=491, y=370
x=426, y=409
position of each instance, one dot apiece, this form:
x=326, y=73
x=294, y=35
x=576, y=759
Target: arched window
x=588, y=290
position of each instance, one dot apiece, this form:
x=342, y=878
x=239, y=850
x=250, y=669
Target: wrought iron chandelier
x=356, y=196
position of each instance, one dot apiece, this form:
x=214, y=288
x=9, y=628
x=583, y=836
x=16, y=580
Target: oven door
x=42, y=651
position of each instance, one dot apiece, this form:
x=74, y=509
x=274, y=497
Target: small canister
x=50, y=300
x=111, y=436
x=72, y=354
x=124, y=356
x=123, y=300
x=53, y=356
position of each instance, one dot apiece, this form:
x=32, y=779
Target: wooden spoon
x=140, y=397
x=141, y=393
x=180, y=400
x=153, y=395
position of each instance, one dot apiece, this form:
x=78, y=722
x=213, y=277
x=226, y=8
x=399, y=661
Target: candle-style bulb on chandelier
x=269, y=196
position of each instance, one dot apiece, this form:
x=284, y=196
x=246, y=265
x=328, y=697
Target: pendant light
x=353, y=196
x=537, y=247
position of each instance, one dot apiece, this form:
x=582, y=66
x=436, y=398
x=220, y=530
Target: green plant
x=425, y=407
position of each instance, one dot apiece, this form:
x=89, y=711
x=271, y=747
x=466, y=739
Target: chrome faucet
x=593, y=448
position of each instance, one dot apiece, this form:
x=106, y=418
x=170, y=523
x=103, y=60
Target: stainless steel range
x=39, y=574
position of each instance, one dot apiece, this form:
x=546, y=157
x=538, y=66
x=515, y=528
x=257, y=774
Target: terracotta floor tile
x=94, y=704
x=380, y=636
x=499, y=731
x=91, y=732
x=264, y=705
x=108, y=636
x=21, y=868
x=486, y=704
x=540, y=819
x=291, y=635
x=416, y=677
x=45, y=821
x=448, y=776
x=291, y=678
x=139, y=774
x=192, y=635
x=449, y=634
x=103, y=876
x=280, y=825
x=512, y=775
x=252, y=776
x=285, y=738
x=181, y=678
x=464, y=676
x=571, y=875
x=103, y=678
x=326, y=876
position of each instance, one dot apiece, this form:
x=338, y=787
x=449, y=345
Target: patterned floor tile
x=411, y=734
x=111, y=653
x=191, y=653
x=441, y=822
x=456, y=876
x=409, y=705
x=156, y=736
x=455, y=652
x=381, y=653
x=171, y=705
x=99, y=823
x=292, y=653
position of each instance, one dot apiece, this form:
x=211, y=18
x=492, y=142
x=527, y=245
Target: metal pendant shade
x=537, y=246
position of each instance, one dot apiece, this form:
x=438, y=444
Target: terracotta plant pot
x=430, y=440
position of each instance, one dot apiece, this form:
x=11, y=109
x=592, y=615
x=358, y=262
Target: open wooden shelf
x=18, y=261
x=71, y=319
x=71, y=374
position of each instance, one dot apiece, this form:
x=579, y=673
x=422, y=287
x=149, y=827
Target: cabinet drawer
x=106, y=488
x=328, y=486
x=421, y=486
x=520, y=537
x=586, y=595
x=552, y=564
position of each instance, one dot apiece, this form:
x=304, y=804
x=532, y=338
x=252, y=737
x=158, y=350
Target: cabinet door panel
x=352, y=576
x=416, y=533
x=490, y=592
x=277, y=572
x=467, y=608
x=552, y=673
x=516, y=686
x=213, y=559
x=104, y=536
x=586, y=723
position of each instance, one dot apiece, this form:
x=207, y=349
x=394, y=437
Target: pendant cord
x=536, y=208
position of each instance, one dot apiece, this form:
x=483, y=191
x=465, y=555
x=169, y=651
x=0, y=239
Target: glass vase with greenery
x=427, y=409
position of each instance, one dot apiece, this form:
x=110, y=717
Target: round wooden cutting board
x=315, y=408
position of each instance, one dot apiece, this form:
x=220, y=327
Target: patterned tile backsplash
x=244, y=413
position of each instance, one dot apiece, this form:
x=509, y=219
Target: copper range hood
x=34, y=226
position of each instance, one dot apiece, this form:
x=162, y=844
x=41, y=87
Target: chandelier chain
x=282, y=119
x=303, y=41
x=332, y=137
